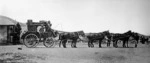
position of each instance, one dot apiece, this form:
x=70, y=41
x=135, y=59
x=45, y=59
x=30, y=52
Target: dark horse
x=124, y=37
x=74, y=36
x=136, y=37
x=144, y=40
x=96, y=36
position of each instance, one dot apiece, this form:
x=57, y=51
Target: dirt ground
x=82, y=54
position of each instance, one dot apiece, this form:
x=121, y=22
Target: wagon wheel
x=49, y=42
x=30, y=40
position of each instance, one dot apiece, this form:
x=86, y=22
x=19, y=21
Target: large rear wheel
x=31, y=40
x=49, y=42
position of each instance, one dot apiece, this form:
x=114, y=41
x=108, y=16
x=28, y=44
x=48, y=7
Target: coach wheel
x=49, y=42
x=31, y=40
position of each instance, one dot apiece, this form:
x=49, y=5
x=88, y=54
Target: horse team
x=106, y=35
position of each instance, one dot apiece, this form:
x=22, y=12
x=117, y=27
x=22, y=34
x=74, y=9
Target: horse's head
x=82, y=36
x=144, y=39
x=56, y=33
x=81, y=33
x=128, y=32
x=135, y=35
x=106, y=33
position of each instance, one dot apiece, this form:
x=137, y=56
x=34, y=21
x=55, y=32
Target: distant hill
x=9, y=21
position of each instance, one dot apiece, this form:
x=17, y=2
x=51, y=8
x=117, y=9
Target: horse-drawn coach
x=39, y=32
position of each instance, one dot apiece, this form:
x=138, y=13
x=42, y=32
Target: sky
x=117, y=16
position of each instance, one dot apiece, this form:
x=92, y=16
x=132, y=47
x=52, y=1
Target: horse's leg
x=127, y=43
x=60, y=43
x=100, y=41
x=116, y=43
x=92, y=45
x=124, y=42
x=136, y=43
x=64, y=43
x=108, y=43
x=73, y=44
x=89, y=45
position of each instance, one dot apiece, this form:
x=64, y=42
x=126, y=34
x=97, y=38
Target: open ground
x=82, y=54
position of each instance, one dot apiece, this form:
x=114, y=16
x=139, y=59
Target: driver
x=42, y=29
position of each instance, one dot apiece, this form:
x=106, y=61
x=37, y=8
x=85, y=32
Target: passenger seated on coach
x=41, y=31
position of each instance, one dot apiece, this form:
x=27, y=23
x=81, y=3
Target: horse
x=74, y=36
x=60, y=38
x=96, y=36
x=144, y=40
x=124, y=37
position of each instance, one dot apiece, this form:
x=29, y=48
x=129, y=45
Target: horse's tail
x=60, y=36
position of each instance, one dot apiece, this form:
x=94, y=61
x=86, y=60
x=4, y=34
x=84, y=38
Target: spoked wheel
x=49, y=42
x=30, y=40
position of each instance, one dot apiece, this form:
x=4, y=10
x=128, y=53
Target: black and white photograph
x=74, y=31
